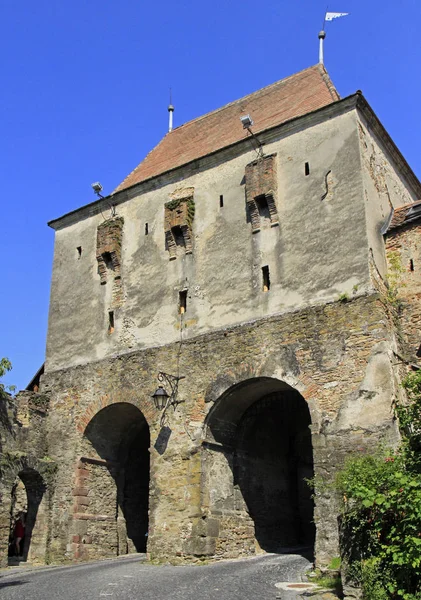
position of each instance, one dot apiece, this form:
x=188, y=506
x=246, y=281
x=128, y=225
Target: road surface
x=129, y=579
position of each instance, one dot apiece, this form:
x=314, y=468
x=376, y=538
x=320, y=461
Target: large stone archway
x=112, y=484
x=257, y=456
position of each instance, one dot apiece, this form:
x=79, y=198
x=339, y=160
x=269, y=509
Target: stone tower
x=255, y=268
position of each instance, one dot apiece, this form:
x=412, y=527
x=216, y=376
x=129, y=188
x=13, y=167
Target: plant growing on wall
x=5, y=366
x=173, y=204
x=381, y=518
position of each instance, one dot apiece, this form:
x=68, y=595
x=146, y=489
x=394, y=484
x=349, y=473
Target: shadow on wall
x=263, y=426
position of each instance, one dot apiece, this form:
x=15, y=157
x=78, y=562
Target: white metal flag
x=334, y=15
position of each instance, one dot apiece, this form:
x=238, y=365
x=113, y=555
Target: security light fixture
x=247, y=121
x=97, y=187
x=161, y=398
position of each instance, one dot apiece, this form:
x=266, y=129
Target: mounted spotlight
x=247, y=121
x=161, y=398
x=97, y=187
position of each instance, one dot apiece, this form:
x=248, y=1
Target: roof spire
x=322, y=35
x=170, y=111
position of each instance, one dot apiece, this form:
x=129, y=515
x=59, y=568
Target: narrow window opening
x=178, y=236
x=266, y=278
x=262, y=207
x=146, y=229
x=79, y=251
x=111, y=321
x=411, y=265
x=221, y=201
x=183, y=302
x=419, y=352
x=108, y=259
x=307, y=169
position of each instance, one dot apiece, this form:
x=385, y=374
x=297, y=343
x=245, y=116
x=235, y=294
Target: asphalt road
x=129, y=579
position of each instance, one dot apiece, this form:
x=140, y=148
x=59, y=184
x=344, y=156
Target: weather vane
x=329, y=16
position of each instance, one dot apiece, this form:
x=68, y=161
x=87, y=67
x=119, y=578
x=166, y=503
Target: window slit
x=111, y=321
x=182, y=306
x=266, y=278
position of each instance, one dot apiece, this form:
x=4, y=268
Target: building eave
x=266, y=136
x=205, y=162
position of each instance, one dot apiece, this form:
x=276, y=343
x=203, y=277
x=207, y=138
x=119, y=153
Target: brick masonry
x=261, y=183
x=177, y=216
x=108, y=255
x=403, y=251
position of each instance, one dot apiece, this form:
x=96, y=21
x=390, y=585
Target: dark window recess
x=178, y=236
x=182, y=307
x=221, y=201
x=79, y=251
x=146, y=229
x=411, y=265
x=307, y=169
x=108, y=259
x=419, y=352
x=266, y=278
x=262, y=207
x=111, y=321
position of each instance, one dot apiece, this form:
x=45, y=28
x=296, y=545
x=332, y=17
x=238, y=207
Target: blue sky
x=85, y=95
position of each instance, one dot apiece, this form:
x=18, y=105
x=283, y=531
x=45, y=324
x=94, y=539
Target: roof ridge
x=258, y=92
x=329, y=83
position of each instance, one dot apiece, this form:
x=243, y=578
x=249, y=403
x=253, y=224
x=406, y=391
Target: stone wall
x=309, y=185
x=337, y=357
x=403, y=251
x=26, y=474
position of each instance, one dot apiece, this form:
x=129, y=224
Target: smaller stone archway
x=25, y=488
x=257, y=455
x=112, y=484
x=28, y=496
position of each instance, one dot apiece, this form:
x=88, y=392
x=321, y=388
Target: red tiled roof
x=404, y=214
x=287, y=99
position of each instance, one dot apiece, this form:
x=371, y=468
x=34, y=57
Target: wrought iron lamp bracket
x=172, y=400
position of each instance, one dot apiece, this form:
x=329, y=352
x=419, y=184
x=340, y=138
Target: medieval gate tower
x=255, y=267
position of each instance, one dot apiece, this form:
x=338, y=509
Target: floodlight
x=246, y=121
x=97, y=187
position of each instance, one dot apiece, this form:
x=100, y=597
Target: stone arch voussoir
x=303, y=383
x=95, y=406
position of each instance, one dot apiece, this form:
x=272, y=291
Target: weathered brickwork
x=261, y=188
x=179, y=214
x=108, y=255
x=403, y=250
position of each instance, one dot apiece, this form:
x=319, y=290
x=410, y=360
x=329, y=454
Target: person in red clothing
x=19, y=532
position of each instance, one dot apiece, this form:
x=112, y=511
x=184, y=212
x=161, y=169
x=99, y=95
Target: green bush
x=381, y=519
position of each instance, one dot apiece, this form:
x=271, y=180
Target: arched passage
x=258, y=454
x=114, y=481
x=28, y=497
